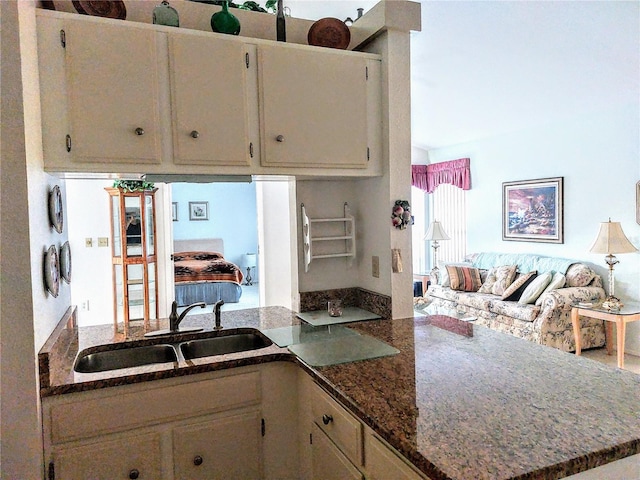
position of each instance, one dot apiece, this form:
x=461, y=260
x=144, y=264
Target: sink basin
x=224, y=344
x=124, y=358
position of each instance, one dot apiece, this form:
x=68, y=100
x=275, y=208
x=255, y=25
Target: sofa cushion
x=513, y=291
x=504, y=277
x=535, y=288
x=557, y=281
x=527, y=313
x=488, y=282
x=481, y=301
x=579, y=275
x=465, y=278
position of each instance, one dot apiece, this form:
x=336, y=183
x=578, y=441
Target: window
x=449, y=208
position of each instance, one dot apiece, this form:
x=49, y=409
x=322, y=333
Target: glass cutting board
x=349, y=314
x=342, y=350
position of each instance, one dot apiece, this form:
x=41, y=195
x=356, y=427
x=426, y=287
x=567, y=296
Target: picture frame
x=533, y=210
x=174, y=211
x=638, y=203
x=198, y=210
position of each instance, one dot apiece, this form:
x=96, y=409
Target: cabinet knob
x=280, y=138
x=197, y=460
x=194, y=134
x=133, y=474
x=139, y=131
x=327, y=419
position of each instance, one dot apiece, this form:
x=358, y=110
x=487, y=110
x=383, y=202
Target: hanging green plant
x=133, y=185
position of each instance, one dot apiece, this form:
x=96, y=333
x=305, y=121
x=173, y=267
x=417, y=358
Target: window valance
x=453, y=172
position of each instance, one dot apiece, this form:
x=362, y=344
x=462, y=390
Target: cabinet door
x=382, y=463
x=224, y=448
x=328, y=462
x=313, y=108
x=136, y=456
x=112, y=84
x=209, y=100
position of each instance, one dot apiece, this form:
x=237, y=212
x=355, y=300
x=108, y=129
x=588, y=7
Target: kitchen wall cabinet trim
x=318, y=234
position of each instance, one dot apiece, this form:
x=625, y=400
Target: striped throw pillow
x=466, y=279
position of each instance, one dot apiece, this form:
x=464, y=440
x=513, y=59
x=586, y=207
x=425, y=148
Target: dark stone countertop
x=459, y=401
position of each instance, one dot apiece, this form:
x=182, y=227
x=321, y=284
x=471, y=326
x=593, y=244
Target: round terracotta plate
x=329, y=32
x=101, y=8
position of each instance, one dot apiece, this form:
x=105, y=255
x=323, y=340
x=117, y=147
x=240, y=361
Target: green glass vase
x=225, y=22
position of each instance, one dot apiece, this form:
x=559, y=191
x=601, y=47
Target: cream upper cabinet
x=209, y=100
x=112, y=89
x=314, y=107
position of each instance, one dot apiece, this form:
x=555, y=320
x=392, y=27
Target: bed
x=202, y=274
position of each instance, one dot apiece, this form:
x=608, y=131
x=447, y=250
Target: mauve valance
x=453, y=172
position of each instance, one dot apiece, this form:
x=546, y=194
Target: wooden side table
x=629, y=313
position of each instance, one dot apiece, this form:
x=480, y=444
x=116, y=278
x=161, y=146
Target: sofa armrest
x=565, y=298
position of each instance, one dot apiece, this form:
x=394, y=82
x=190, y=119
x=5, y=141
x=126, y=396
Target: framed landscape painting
x=532, y=210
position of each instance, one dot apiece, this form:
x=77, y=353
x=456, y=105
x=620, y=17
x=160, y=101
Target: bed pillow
x=513, y=291
x=557, y=281
x=504, y=277
x=535, y=288
x=466, y=279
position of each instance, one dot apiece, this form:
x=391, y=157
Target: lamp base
x=248, y=279
x=612, y=303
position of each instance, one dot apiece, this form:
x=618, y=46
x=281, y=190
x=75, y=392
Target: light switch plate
x=375, y=266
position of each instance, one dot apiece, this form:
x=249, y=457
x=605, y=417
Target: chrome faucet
x=174, y=319
x=216, y=314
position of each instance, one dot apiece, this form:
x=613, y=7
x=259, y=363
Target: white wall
x=599, y=157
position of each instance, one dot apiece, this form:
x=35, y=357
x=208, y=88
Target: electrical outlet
x=375, y=266
x=103, y=242
x=85, y=305
x=88, y=242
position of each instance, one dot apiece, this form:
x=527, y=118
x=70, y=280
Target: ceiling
x=482, y=68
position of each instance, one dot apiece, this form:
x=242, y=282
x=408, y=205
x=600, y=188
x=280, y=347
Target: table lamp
x=610, y=240
x=435, y=234
x=250, y=262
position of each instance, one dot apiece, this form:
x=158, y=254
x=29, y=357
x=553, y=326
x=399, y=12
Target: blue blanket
x=526, y=262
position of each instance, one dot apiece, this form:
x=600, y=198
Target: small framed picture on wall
x=198, y=210
x=174, y=211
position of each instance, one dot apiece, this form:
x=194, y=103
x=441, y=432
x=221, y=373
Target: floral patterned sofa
x=529, y=296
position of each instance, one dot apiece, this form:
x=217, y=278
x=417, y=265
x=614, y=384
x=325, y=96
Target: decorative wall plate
x=56, y=216
x=101, y=8
x=52, y=271
x=329, y=32
x=65, y=262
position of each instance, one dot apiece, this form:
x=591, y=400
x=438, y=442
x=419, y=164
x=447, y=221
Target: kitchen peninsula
x=459, y=401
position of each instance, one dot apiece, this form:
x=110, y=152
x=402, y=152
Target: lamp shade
x=436, y=232
x=611, y=240
x=250, y=260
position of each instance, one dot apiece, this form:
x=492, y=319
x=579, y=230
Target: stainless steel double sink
x=223, y=343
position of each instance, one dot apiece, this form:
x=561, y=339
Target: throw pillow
x=579, y=275
x=557, y=281
x=504, y=277
x=487, y=285
x=535, y=288
x=443, y=279
x=513, y=291
x=466, y=279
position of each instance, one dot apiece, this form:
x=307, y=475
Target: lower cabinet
x=327, y=461
x=190, y=429
x=219, y=449
x=132, y=456
x=339, y=446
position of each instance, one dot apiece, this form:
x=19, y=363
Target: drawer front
x=89, y=415
x=339, y=425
